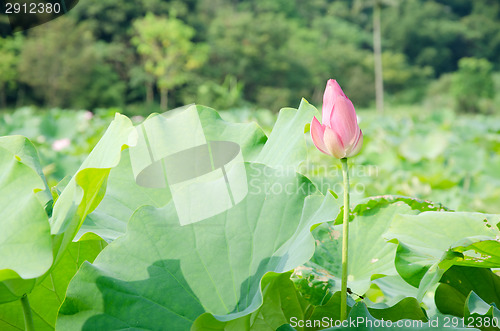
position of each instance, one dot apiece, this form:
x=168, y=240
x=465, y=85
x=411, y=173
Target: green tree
x=482, y=30
x=9, y=59
x=140, y=78
x=337, y=48
x=472, y=83
x=110, y=20
x=427, y=32
x=167, y=51
x=256, y=50
x=278, y=57
x=57, y=59
x=377, y=45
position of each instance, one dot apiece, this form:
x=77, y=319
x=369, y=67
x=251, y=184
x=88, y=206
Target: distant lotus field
x=434, y=155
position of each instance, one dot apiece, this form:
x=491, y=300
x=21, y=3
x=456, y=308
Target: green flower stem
x=28, y=317
x=345, y=241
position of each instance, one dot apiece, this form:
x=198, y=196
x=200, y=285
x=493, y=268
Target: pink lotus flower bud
x=339, y=134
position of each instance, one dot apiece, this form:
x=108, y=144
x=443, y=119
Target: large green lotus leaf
x=326, y=271
x=483, y=252
x=406, y=308
x=458, y=282
x=370, y=256
x=380, y=201
x=124, y=196
x=46, y=298
x=393, y=289
x=249, y=136
x=86, y=189
x=25, y=242
x=164, y=273
x=481, y=314
x=330, y=310
x=286, y=146
x=313, y=284
x=26, y=152
x=29, y=251
x=426, y=243
x=283, y=304
x=281, y=301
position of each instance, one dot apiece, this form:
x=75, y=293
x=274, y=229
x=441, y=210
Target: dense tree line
x=226, y=53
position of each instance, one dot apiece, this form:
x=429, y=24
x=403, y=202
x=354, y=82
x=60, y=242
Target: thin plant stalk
x=377, y=52
x=345, y=241
x=28, y=316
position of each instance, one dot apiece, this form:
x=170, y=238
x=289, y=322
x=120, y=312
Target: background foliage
x=98, y=55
